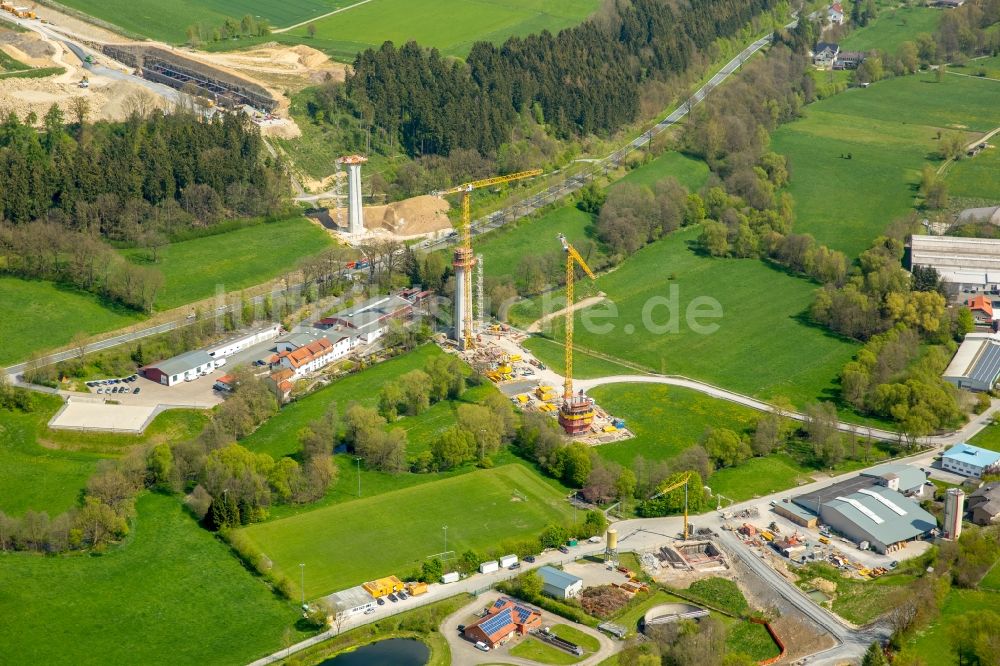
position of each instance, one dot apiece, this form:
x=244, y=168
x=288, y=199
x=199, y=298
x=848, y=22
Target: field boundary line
x=321, y=16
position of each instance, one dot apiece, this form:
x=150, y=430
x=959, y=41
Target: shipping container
x=508, y=560
x=449, y=578
x=489, y=567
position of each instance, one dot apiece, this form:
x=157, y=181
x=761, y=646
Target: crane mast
x=674, y=486
x=464, y=260
x=576, y=413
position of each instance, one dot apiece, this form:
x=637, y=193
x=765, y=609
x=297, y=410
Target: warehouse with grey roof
x=976, y=364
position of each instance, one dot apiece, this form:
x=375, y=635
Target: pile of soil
x=410, y=217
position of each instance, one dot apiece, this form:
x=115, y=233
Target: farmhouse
x=867, y=510
x=352, y=601
x=504, y=619
x=969, y=460
x=243, y=341
x=976, y=364
x=966, y=262
x=835, y=14
x=984, y=504
x=982, y=310
x=849, y=59
x=825, y=54
x=184, y=367
x=559, y=584
x=369, y=320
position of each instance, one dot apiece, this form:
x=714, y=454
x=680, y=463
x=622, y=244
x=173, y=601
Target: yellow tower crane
x=674, y=486
x=465, y=260
x=576, y=413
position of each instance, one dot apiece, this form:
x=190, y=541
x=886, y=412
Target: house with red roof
x=836, y=14
x=505, y=619
x=982, y=310
x=311, y=357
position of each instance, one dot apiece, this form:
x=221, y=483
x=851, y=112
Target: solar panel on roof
x=497, y=622
x=987, y=365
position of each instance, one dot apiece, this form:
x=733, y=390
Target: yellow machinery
x=383, y=586
x=674, y=486
x=464, y=259
x=576, y=413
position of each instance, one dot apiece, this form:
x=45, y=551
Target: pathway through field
x=322, y=16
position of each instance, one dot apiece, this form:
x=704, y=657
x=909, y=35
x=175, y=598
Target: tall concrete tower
x=355, y=212
x=463, y=264
x=954, y=508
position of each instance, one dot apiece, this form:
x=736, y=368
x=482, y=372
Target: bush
x=603, y=601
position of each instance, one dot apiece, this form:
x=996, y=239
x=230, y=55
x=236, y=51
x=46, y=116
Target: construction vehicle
x=674, y=486
x=545, y=393
x=823, y=539
x=84, y=83
x=464, y=259
x=767, y=536
x=577, y=412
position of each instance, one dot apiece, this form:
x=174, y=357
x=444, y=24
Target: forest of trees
x=72, y=188
x=584, y=80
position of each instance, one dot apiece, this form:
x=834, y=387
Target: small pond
x=818, y=596
x=392, y=652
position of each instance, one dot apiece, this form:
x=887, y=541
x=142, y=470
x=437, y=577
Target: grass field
x=154, y=19
x=397, y=530
x=757, y=348
x=173, y=594
x=890, y=131
x=891, y=28
x=988, y=438
x=585, y=365
x=857, y=601
x=758, y=477
x=692, y=173
x=45, y=470
x=976, y=177
x=665, y=419
x=195, y=269
x=934, y=645
x=39, y=315
x=532, y=649
x=451, y=26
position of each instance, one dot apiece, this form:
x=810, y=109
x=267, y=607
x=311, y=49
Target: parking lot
x=129, y=411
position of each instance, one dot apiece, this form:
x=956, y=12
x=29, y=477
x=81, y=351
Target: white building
x=313, y=356
x=352, y=601
x=243, y=341
x=976, y=364
x=294, y=341
x=369, y=320
x=185, y=367
x=967, y=262
x=559, y=584
x=969, y=460
x=836, y=14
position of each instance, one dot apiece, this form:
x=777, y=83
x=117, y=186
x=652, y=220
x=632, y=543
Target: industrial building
x=907, y=479
x=244, y=340
x=293, y=341
x=353, y=601
x=313, y=356
x=984, y=504
x=182, y=368
x=559, y=584
x=383, y=586
x=969, y=460
x=796, y=514
x=505, y=619
x=970, y=263
x=369, y=320
x=976, y=364
x=954, y=509
x=870, y=510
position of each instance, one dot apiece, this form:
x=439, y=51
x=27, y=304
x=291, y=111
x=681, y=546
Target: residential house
x=825, y=54
x=982, y=310
x=281, y=382
x=835, y=14
x=313, y=356
x=983, y=505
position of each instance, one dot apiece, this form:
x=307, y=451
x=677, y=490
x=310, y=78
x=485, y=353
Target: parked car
x=529, y=558
x=402, y=595
x=392, y=598
x=482, y=646
x=380, y=601
x=100, y=390
x=563, y=549
x=135, y=390
x=461, y=628
x=516, y=565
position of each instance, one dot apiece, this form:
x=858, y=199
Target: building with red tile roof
x=982, y=310
x=505, y=619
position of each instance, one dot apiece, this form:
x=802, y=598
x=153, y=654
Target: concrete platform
x=88, y=415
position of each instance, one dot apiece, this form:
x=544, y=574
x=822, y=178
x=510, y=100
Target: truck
x=451, y=577
x=507, y=560
x=489, y=567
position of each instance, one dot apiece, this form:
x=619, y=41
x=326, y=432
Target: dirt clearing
x=409, y=218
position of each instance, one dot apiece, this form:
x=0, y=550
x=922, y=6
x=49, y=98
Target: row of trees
x=46, y=251
x=248, y=26
x=582, y=81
